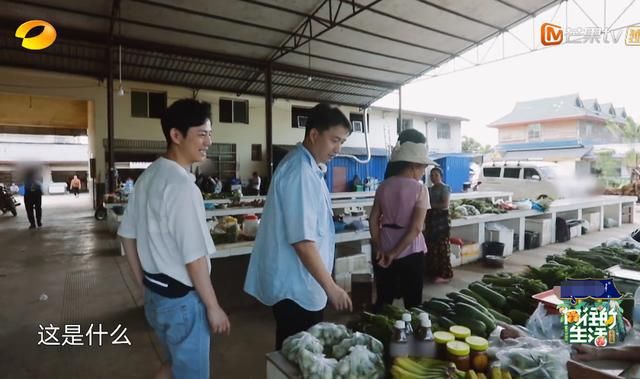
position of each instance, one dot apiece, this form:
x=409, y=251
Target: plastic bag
x=316, y=365
x=329, y=333
x=494, y=226
x=533, y=358
x=544, y=325
x=357, y=339
x=360, y=363
x=294, y=345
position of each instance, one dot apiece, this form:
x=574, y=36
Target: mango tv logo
x=39, y=42
x=551, y=34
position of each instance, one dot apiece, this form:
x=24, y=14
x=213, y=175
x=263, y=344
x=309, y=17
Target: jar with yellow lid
x=478, y=355
x=460, y=332
x=458, y=354
x=442, y=338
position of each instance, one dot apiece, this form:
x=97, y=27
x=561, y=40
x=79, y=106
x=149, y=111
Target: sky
x=485, y=93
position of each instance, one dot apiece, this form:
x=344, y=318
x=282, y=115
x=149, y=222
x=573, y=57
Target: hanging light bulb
x=120, y=87
x=309, y=78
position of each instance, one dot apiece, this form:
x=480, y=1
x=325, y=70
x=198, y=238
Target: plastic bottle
x=399, y=346
x=636, y=312
x=425, y=344
x=408, y=329
x=406, y=317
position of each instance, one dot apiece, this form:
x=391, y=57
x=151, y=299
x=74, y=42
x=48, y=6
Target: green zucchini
x=445, y=323
x=477, y=327
x=497, y=300
x=500, y=317
x=470, y=312
x=458, y=297
x=437, y=307
x=518, y=317
x=481, y=300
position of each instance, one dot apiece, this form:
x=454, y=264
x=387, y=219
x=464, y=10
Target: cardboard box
x=456, y=255
x=575, y=230
x=594, y=221
x=470, y=253
x=542, y=227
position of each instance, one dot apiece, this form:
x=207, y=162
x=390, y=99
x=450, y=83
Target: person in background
x=14, y=189
x=128, y=186
x=438, y=262
x=167, y=243
x=33, y=197
x=396, y=223
x=356, y=182
x=254, y=184
x=75, y=185
x=292, y=259
x=218, y=185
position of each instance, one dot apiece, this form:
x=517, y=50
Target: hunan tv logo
x=40, y=41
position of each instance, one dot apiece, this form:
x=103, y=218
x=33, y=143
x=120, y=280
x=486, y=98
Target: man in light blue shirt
x=292, y=259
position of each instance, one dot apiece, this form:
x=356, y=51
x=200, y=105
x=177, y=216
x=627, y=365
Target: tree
x=631, y=159
x=630, y=131
x=470, y=145
x=606, y=165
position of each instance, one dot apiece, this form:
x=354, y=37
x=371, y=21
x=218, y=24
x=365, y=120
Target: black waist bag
x=165, y=285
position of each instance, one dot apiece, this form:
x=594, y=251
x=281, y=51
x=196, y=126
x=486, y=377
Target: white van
x=530, y=179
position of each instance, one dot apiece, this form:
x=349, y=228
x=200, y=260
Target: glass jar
x=460, y=332
x=442, y=338
x=479, y=357
x=399, y=346
x=458, y=354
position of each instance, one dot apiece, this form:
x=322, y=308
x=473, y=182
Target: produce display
x=215, y=196
x=425, y=368
x=468, y=207
x=329, y=350
x=470, y=315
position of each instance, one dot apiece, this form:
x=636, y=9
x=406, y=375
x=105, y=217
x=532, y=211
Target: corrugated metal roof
x=354, y=51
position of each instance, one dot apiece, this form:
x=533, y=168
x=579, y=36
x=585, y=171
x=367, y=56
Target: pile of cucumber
x=503, y=297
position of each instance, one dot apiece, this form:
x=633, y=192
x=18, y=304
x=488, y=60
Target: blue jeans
x=182, y=326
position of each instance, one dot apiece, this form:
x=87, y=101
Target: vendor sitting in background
x=575, y=369
x=357, y=183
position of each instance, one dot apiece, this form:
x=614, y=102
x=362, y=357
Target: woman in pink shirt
x=396, y=224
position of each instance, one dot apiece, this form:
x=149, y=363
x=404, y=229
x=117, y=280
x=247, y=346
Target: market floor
x=69, y=274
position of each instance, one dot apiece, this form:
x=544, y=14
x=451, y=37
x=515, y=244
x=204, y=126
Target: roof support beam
x=268, y=99
x=115, y=10
x=348, y=27
x=298, y=38
x=269, y=28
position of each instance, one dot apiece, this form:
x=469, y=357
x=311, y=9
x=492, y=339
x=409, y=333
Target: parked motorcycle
x=7, y=202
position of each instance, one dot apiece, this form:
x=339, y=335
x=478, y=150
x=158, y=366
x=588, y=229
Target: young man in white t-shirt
x=167, y=243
